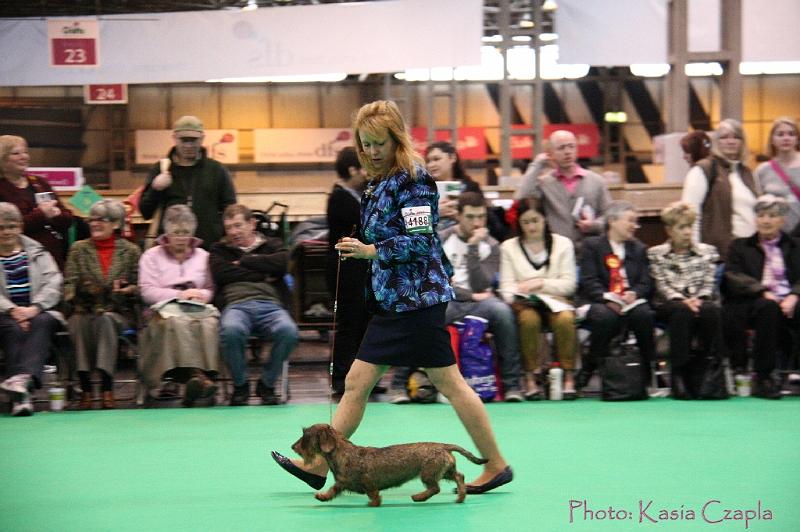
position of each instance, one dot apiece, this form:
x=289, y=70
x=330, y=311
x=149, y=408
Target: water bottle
x=556, y=378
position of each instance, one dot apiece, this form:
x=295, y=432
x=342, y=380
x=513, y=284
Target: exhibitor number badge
x=417, y=219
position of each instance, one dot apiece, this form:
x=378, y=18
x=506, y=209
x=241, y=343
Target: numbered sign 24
x=106, y=94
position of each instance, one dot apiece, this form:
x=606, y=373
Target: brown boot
x=86, y=401
x=108, y=400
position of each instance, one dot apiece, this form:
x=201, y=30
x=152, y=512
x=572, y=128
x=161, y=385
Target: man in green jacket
x=190, y=177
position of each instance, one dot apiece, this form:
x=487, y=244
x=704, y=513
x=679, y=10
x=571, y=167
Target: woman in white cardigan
x=537, y=277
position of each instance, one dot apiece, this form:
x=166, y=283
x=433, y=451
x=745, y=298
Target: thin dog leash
x=332, y=340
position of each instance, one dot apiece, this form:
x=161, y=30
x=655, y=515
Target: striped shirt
x=17, y=280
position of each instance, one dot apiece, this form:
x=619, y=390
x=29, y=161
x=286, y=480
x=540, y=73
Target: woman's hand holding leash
x=352, y=248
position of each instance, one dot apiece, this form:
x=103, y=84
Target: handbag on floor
x=708, y=378
x=621, y=372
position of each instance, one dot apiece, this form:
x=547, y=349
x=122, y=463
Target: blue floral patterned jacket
x=399, y=216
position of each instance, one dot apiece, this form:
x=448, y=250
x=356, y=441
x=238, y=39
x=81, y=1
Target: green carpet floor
x=209, y=469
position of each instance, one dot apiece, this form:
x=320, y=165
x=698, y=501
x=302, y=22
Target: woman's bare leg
x=473, y=416
x=358, y=384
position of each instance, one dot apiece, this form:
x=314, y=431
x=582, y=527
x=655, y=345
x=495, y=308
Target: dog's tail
x=471, y=457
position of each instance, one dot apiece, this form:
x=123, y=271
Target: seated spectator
x=475, y=257
x=45, y=219
x=100, y=288
x=30, y=288
x=761, y=287
x=615, y=280
x=248, y=270
x=686, y=296
x=181, y=341
x=537, y=276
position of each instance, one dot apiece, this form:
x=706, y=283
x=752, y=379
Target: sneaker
x=267, y=394
x=513, y=395
x=241, y=395
x=21, y=383
x=399, y=396
x=24, y=407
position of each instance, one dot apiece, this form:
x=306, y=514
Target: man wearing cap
x=190, y=177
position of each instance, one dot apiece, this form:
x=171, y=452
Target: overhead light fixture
x=549, y=5
x=547, y=37
x=650, y=70
x=252, y=5
x=616, y=117
x=703, y=69
x=525, y=21
x=752, y=68
x=308, y=78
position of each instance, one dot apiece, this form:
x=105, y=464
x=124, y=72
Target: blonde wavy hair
x=729, y=125
x=377, y=119
x=8, y=143
x=678, y=212
x=782, y=121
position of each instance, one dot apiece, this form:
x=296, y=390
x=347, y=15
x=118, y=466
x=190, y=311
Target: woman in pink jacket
x=181, y=341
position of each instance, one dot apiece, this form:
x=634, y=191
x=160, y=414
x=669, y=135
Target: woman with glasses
x=45, y=219
x=181, y=340
x=30, y=288
x=100, y=288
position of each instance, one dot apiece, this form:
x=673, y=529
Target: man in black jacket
x=761, y=288
x=248, y=270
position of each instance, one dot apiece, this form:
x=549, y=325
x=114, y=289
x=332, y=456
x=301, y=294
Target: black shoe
x=315, y=481
x=679, y=388
x=582, y=379
x=241, y=395
x=766, y=388
x=267, y=394
x=503, y=477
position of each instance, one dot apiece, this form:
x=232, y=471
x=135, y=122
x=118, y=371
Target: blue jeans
x=264, y=319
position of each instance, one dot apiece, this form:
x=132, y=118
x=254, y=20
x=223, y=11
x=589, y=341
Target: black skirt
x=417, y=338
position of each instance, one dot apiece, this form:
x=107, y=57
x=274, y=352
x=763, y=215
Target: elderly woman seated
x=100, y=287
x=30, y=287
x=686, y=297
x=615, y=280
x=761, y=288
x=181, y=340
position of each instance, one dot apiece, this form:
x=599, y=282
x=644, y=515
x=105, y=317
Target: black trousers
x=605, y=324
x=683, y=326
x=352, y=317
x=773, y=333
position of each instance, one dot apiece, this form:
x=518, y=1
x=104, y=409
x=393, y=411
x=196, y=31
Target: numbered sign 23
x=105, y=94
x=73, y=43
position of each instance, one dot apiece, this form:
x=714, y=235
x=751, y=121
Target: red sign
x=588, y=137
x=60, y=178
x=73, y=43
x=106, y=94
x=471, y=145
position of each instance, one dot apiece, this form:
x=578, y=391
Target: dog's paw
x=324, y=497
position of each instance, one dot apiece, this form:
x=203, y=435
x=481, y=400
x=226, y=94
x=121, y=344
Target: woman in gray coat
x=30, y=287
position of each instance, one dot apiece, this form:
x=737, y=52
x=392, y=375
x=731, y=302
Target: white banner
x=300, y=145
x=621, y=32
x=154, y=144
x=368, y=37
x=60, y=178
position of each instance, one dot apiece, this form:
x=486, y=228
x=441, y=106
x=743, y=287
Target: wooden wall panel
x=147, y=107
x=295, y=106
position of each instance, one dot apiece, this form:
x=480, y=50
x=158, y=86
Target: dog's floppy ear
x=327, y=440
